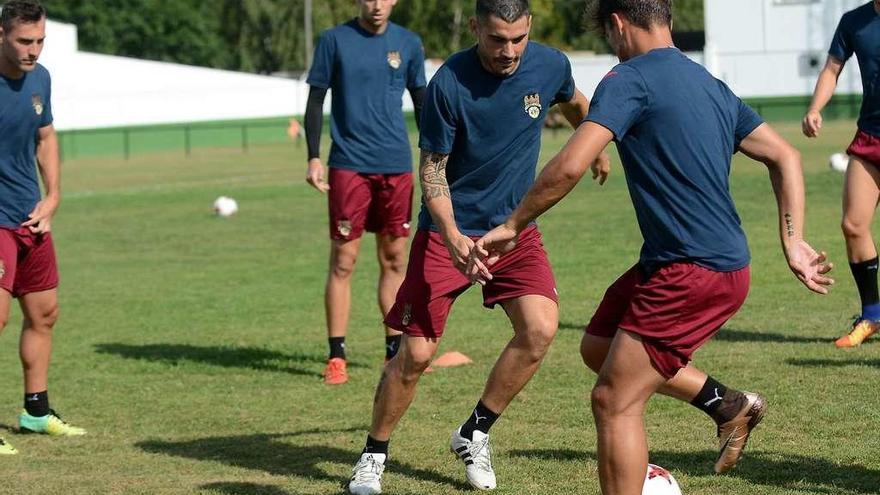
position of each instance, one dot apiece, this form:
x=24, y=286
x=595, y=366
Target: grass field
x=191, y=347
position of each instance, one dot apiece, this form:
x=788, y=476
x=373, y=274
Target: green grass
x=191, y=347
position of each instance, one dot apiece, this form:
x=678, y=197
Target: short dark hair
x=27, y=11
x=642, y=13
x=506, y=10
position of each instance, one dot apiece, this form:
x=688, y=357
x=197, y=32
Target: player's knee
x=602, y=400
x=415, y=363
x=540, y=336
x=3, y=321
x=343, y=266
x=45, y=319
x=393, y=262
x=854, y=229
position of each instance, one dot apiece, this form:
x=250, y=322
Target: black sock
x=710, y=396
x=481, y=420
x=376, y=447
x=865, y=275
x=337, y=347
x=37, y=404
x=392, y=345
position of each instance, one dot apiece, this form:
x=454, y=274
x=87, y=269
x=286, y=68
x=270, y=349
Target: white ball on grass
x=225, y=206
x=659, y=481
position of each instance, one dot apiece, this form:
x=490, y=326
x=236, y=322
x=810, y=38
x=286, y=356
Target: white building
x=774, y=47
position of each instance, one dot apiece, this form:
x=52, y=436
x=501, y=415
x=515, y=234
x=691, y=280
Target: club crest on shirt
x=344, y=227
x=37, y=102
x=394, y=60
x=533, y=105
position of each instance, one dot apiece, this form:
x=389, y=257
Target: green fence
x=242, y=135
x=792, y=108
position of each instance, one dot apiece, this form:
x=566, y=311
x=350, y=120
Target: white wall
x=94, y=91
x=774, y=47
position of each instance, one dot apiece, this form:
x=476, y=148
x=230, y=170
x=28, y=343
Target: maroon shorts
x=27, y=262
x=866, y=147
x=432, y=283
x=675, y=310
x=380, y=203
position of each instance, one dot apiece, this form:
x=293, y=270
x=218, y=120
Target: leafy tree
x=267, y=36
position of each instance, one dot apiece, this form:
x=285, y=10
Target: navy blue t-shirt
x=25, y=107
x=491, y=128
x=367, y=74
x=859, y=33
x=677, y=128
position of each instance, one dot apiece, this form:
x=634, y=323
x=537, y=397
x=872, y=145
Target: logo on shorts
x=533, y=105
x=407, y=314
x=406, y=225
x=2, y=269
x=37, y=102
x=344, y=228
x=394, y=60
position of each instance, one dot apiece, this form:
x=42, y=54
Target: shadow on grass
x=733, y=335
x=227, y=357
x=828, y=363
x=233, y=488
x=775, y=469
x=272, y=454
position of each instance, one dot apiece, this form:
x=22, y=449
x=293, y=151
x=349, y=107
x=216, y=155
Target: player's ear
x=474, y=24
x=617, y=22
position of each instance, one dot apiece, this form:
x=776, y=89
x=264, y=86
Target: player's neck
x=10, y=71
x=373, y=28
x=645, y=41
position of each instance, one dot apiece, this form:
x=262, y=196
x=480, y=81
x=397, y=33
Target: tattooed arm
x=787, y=178
x=438, y=201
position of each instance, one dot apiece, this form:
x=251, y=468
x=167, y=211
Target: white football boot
x=366, y=477
x=477, y=458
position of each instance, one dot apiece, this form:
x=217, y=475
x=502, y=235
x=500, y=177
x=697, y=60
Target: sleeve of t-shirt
x=46, y=118
x=566, y=91
x=619, y=101
x=321, y=73
x=841, y=44
x=438, y=121
x=415, y=75
x=747, y=121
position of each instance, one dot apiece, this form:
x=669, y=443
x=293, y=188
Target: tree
x=266, y=36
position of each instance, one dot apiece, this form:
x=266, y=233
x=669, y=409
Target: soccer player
x=366, y=62
x=28, y=270
x=859, y=33
x=480, y=140
x=676, y=128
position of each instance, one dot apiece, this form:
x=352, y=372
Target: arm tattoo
x=433, y=175
x=789, y=227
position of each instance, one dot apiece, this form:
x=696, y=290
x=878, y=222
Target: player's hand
x=488, y=250
x=40, y=220
x=809, y=266
x=812, y=124
x=601, y=168
x=315, y=175
x=459, y=247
